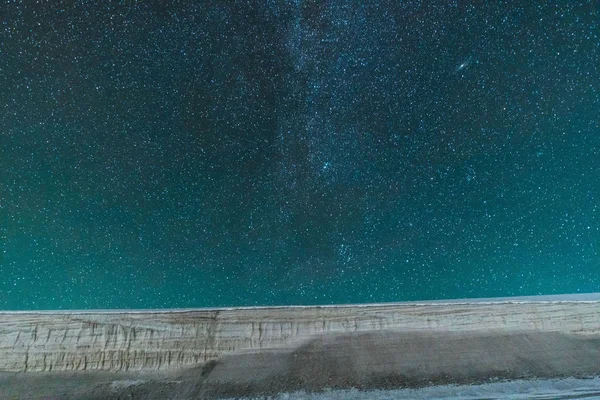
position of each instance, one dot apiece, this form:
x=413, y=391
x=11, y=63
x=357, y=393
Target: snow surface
x=570, y=388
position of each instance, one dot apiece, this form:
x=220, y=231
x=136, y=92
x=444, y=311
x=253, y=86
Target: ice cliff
x=169, y=339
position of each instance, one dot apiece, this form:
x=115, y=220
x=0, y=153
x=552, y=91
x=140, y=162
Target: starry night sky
x=229, y=153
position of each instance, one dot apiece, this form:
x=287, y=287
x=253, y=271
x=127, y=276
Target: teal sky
x=205, y=154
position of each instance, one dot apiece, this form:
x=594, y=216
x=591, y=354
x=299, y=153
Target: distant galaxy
x=237, y=153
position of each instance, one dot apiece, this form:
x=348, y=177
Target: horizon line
x=556, y=298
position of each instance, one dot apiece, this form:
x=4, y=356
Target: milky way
x=296, y=152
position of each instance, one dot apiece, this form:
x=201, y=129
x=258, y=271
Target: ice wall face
x=161, y=340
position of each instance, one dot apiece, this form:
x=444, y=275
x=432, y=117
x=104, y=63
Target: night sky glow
x=236, y=153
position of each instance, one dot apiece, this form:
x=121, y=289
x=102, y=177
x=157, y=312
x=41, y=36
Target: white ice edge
x=584, y=298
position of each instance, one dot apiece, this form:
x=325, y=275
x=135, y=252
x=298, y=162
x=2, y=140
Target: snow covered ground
x=570, y=388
